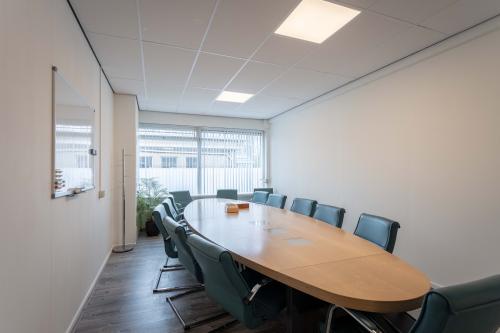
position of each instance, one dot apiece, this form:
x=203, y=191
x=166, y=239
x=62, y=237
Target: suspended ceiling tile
x=254, y=77
x=410, y=10
x=166, y=65
x=126, y=86
x=361, y=36
x=214, y=71
x=120, y=57
x=268, y=105
x=303, y=84
x=284, y=51
x=240, y=26
x=175, y=22
x=197, y=100
x=462, y=15
x=111, y=17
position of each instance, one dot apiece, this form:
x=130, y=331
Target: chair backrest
x=269, y=190
x=223, y=281
x=260, y=197
x=179, y=236
x=303, y=206
x=159, y=214
x=170, y=210
x=276, y=200
x=465, y=308
x=228, y=194
x=378, y=230
x=329, y=214
x=182, y=197
x=172, y=200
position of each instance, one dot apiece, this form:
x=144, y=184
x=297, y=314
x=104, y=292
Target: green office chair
x=269, y=190
x=175, y=205
x=227, y=194
x=172, y=212
x=329, y=214
x=243, y=294
x=276, y=200
x=378, y=230
x=260, y=197
x=182, y=199
x=472, y=307
x=303, y=206
x=159, y=214
x=179, y=236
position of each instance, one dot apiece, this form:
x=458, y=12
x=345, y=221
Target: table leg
x=291, y=312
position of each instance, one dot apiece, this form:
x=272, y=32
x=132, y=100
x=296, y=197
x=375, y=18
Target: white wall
x=125, y=136
x=50, y=250
x=419, y=145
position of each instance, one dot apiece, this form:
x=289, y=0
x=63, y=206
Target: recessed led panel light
x=316, y=20
x=232, y=96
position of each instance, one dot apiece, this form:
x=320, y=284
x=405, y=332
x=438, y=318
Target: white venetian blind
x=201, y=160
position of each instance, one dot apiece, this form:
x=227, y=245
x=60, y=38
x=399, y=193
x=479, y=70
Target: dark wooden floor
x=123, y=301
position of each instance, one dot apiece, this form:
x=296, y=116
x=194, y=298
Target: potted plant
x=150, y=193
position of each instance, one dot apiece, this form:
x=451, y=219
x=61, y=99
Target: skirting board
x=74, y=321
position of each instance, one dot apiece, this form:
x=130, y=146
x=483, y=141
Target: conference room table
x=311, y=257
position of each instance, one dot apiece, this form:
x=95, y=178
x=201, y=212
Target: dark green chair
x=182, y=199
x=378, y=230
x=269, y=190
x=329, y=214
x=303, y=206
x=171, y=211
x=159, y=215
x=260, y=197
x=472, y=307
x=245, y=295
x=276, y=200
x=227, y=194
x=180, y=236
x=175, y=205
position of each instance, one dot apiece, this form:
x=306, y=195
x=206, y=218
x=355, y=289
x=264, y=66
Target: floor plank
x=123, y=301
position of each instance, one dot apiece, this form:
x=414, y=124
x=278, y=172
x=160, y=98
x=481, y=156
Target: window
x=146, y=162
x=202, y=160
x=191, y=162
x=168, y=162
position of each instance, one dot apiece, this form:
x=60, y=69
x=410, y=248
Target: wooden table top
x=311, y=256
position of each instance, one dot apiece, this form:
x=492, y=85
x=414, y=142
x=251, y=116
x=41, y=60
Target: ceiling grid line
x=214, y=10
x=189, y=51
x=141, y=46
x=250, y=57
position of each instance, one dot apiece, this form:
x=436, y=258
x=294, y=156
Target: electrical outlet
x=102, y=194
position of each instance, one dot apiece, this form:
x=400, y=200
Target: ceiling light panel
x=316, y=20
x=232, y=96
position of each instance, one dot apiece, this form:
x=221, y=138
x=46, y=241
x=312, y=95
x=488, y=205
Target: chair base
x=166, y=268
x=188, y=326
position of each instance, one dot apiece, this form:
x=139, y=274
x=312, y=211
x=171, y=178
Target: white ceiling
x=178, y=55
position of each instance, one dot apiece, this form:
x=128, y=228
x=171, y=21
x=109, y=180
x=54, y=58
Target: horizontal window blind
x=201, y=160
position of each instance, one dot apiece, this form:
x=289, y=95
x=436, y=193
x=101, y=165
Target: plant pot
x=151, y=229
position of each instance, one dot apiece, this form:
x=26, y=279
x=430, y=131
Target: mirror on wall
x=73, y=140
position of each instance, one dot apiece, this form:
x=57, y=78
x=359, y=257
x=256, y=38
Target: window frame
x=198, y=138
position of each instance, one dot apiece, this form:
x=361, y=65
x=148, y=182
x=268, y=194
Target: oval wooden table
x=311, y=256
